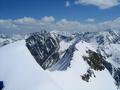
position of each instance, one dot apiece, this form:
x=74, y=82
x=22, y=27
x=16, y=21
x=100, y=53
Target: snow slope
x=20, y=71
x=71, y=80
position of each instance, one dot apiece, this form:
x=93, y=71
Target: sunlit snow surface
x=20, y=71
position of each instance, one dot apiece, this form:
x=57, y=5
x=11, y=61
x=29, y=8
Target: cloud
x=7, y=24
x=102, y=4
x=115, y=24
x=25, y=20
x=48, y=19
x=90, y=20
x=28, y=24
x=67, y=4
x=67, y=25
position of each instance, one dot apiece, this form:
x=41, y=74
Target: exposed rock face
x=87, y=75
x=44, y=47
x=94, y=60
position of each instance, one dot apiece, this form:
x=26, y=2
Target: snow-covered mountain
x=51, y=61
x=6, y=39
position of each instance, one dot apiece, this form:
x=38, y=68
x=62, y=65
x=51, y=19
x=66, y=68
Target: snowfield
x=19, y=71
